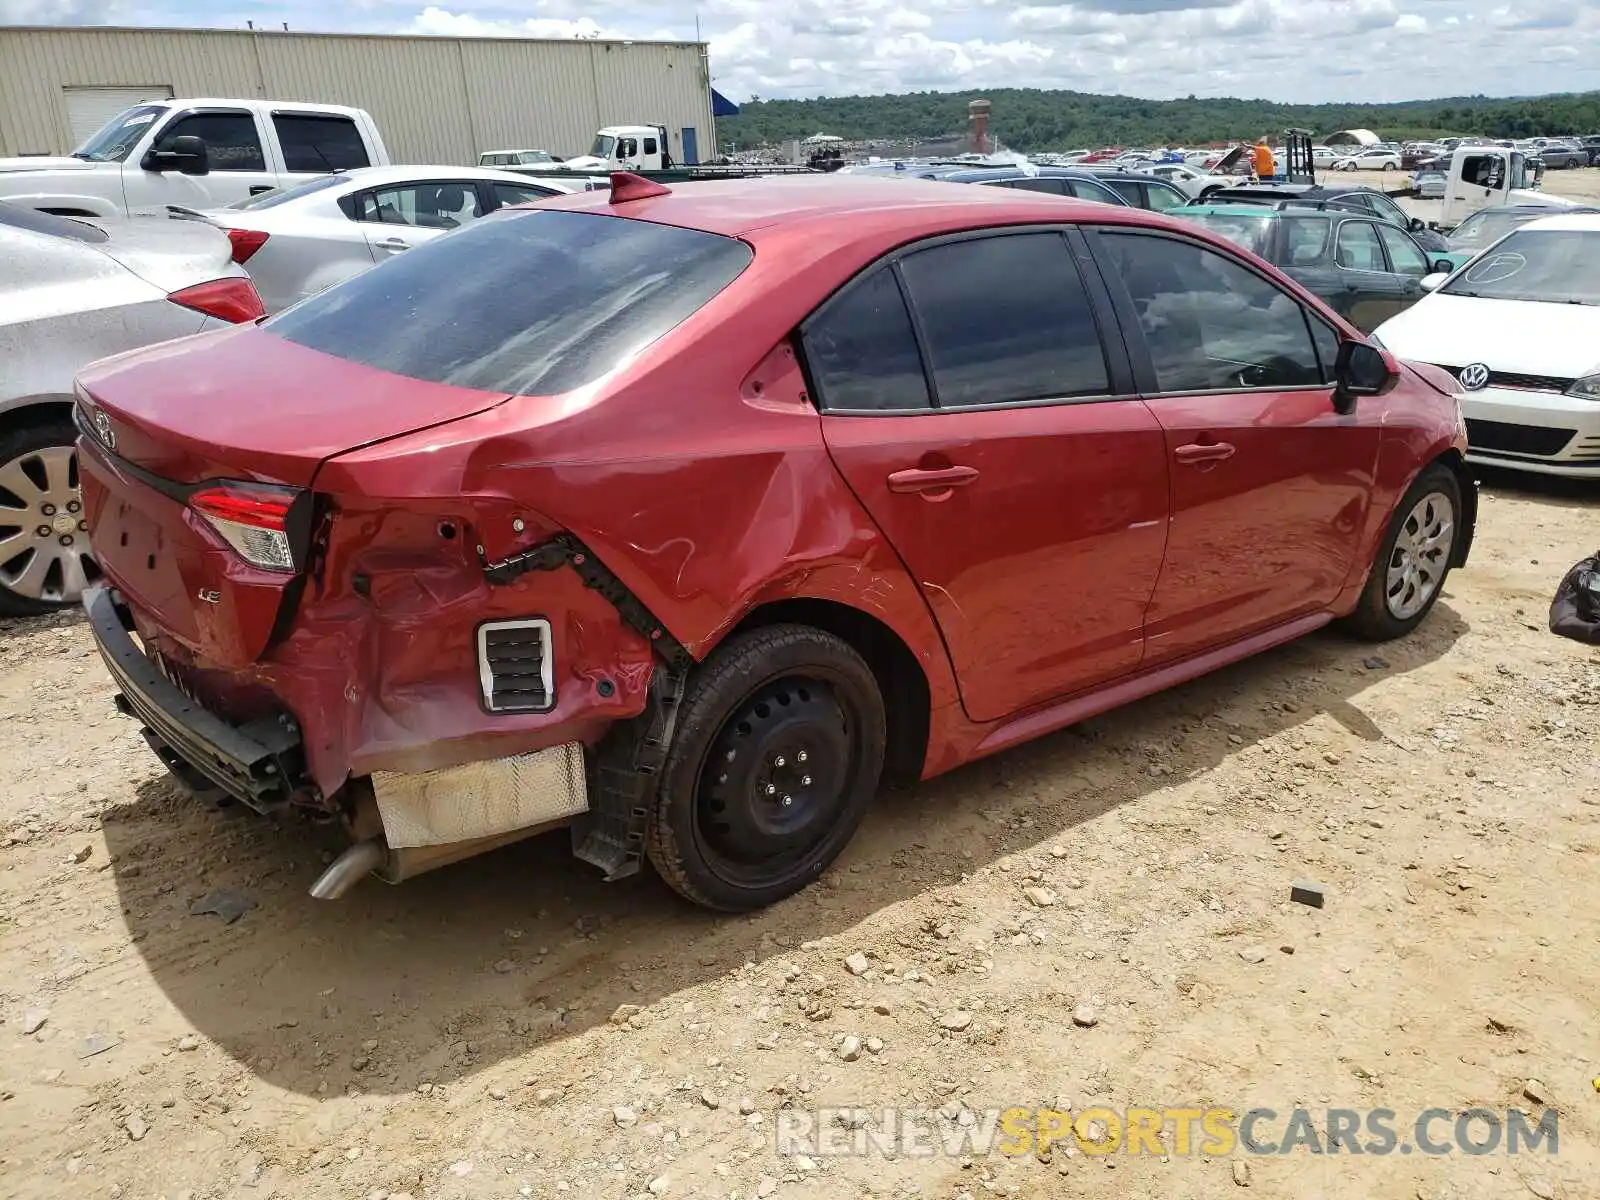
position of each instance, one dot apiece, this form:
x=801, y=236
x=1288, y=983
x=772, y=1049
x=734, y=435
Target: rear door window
x=1359, y=247
x=232, y=143
x=1005, y=319
x=603, y=288
x=862, y=351
x=433, y=205
x=313, y=142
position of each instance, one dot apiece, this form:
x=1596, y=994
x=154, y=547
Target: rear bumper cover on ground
x=260, y=764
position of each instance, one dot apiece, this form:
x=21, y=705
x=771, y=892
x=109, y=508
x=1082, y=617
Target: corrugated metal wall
x=435, y=99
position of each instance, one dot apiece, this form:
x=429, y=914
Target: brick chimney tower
x=978, y=141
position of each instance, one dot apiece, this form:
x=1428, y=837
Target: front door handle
x=1196, y=453
x=394, y=244
x=931, y=479
x=260, y=188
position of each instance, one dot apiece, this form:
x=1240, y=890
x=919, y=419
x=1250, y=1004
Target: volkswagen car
x=1519, y=327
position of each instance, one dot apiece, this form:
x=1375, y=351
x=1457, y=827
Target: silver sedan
x=303, y=240
x=72, y=292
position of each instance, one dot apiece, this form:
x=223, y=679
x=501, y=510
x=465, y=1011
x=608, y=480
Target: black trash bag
x=1575, y=612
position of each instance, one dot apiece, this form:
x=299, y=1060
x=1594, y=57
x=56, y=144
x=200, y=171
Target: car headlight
x=1587, y=388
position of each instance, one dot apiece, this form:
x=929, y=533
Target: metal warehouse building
x=436, y=100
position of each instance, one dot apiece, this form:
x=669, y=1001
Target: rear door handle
x=394, y=244
x=259, y=188
x=1196, y=453
x=931, y=479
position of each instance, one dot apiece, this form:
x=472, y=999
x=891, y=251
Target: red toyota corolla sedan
x=686, y=518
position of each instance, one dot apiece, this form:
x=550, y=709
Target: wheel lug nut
x=43, y=531
x=778, y=762
x=66, y=539
x=787, y=801
x=48, y=510
x=801, y=757
x=772, y=789
x=84, y=526
x=805, y=781
x=73, y=506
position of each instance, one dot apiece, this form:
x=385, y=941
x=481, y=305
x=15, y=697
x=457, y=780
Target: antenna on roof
x=626, y=186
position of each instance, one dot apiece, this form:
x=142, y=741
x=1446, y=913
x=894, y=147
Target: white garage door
x=88, y=108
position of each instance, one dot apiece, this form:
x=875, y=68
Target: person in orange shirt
x=1262, y=160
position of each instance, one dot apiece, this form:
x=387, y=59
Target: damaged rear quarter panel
x=704, y=495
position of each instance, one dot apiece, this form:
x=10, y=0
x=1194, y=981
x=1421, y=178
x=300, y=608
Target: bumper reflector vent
x=515, y=669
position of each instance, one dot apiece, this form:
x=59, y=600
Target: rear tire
x=1388, y=166
x=1409, y=572
x=41, y=572
x=779, y=746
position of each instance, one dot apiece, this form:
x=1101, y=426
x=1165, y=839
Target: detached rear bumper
x=260, y=764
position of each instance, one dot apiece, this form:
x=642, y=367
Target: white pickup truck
x=1491, y=177
x=194, y=153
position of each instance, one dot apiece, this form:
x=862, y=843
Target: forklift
x=1298, y=164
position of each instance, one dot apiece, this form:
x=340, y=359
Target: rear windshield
x=38, y=222
x=529, y=302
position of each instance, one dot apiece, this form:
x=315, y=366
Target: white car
x=1374, y=158
x=1196, y=184
x=1324, y=156
x=71, y=292
x=1519, y=327
x=303, y=240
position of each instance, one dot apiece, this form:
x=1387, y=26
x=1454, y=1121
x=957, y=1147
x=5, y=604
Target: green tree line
x=1030, y=119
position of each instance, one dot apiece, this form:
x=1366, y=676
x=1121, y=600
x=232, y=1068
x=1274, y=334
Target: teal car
x=1365, y=269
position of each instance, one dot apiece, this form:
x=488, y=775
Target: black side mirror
x=1443, y=266
x=187, y=154
x=1360, y=370
x=1418, y=224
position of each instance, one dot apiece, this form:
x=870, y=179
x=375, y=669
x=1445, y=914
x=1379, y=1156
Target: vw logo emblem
x=102, y=426
x=1474, y=377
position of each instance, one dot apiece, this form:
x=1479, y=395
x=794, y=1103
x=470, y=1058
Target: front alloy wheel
x=1418, y=550
x=1420, y=555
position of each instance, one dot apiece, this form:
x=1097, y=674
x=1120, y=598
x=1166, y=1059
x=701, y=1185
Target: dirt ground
x=460, y=1037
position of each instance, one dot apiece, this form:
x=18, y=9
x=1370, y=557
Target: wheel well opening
x=900, y=677
x=41, y=411
x=1455, y=462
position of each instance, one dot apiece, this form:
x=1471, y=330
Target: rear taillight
x=234, y=300
x=245, y=242
x=253, y=518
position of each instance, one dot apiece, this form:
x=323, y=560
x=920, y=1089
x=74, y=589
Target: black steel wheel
x=778, y=750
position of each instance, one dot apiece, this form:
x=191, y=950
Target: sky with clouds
x=1291, y=50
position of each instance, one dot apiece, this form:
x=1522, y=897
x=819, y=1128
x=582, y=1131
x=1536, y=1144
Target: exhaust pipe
x=349, y=868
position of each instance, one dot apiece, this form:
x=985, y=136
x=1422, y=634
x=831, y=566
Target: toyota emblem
x=1474, y=377
x=102, y=426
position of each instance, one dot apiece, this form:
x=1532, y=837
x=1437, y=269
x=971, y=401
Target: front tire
x=1409, y=571
x=779, y=746
x=1388, y=166
x=44, y=543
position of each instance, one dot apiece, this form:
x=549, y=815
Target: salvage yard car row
x=633, y=511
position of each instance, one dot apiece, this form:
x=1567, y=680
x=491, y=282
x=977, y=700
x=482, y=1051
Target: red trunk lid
x=239, y=404
x=244, y=404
